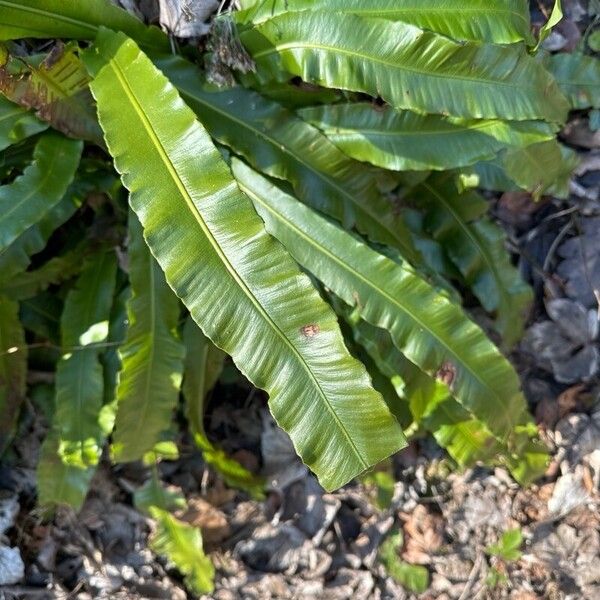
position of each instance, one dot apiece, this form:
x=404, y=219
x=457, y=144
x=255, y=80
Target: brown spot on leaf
x=446, y=373
x=310, y=331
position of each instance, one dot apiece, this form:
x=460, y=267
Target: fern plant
x=314, y=217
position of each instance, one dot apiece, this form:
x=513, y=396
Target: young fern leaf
x=476, y=246
x=275, y=141
x=426, y=327
x=57, y=89
x=203, y=366
x=16, y=123
x=406, y=66
x=238, y=283
x=72, y=19
x=72, y=448
x=496, y=21
x=25, y=201
x=174, y=539
x=13, y=368
x=404, y=141
x=152, y=355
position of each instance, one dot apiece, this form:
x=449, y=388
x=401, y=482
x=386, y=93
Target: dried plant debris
x=580, y=265
x=187, y=18
x=566, y=346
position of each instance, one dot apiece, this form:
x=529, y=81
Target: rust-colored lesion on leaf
x=310, y=330
x=447, y=374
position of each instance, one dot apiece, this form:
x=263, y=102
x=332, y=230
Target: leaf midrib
x=482, y=247
x=316, y=173
x=218, y=250
x=345, y=266
x=46, y=13
x=277, y=48
x=26, y=198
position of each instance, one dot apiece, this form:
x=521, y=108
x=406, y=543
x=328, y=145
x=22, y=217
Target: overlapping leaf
x=27, y=200
x=152, y=356
x=578, y=76
x=72, y=19
x=467, y=439
x=238, y=283
x=543, y=168
x=426, y=327
x=280, y=144
x=498, y=21
x=407, y=67
x=476, y=246
x=57, y=89
x=407, y=141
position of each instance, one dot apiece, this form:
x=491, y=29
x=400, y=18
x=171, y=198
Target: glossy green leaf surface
x=498, y=21
x=405, y=141
x=77, y=19
x=16, y=123
x=13, y=368
x=275, y=141
x=240, y=285
x=477, y=247
x=407, y=67
x=151, y=357
x=426, y=327
x=25, y=201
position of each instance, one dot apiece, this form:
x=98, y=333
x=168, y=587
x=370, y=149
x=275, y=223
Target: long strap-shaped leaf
x=430, y=330
x=407, y=67
x=16, y=123
x=72, y=448
x=476, y=246
x=13, y=367
x=498, y=21
x=79, y=378
x=277, y=142
x=240, y=285
x=32, y=195
x=405, y=141
x=77, y=19
x=152, y=355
